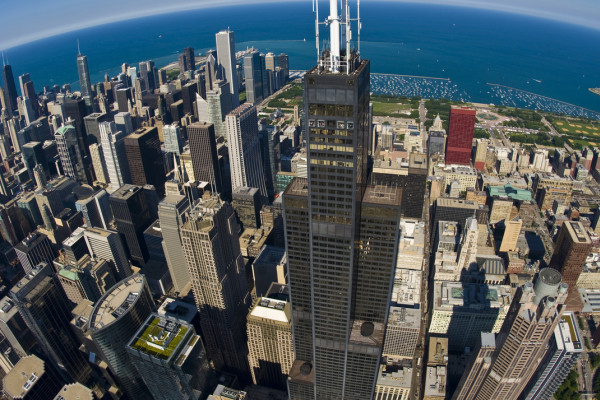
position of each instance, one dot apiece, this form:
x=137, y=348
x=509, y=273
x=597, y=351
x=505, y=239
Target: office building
x=457, y=210
x=479, y=364
x=76, y=110
x=203, y=150
x=123, y=122
x=116, y=317
x=402, y=332
x=253, y=72
x=460, y=135
x=219, y=105
x=270, y=346
x=134, y=209
x=570, y=252
x=23, y=79
x=169, y=356
x=34, y=249
x=95, y=208
x=92, y=126
x=10, y=90
x=85, y=279
x=512, y=231
x=436, y=371
x=172, y=214
x=341, y=263
x=31, y=379
x=172, y=139
x=47, y=312
x=247, y=204
x=534, y=314
x=227, y=63
x=124, y=101
x=107, y=245
x=145, y=159
x=85, y=79
x=244, y=150
x=564, y=350
x=394, y=381
x=212, y=249
x=99, y=164
x=115, y=157
x=70, y=153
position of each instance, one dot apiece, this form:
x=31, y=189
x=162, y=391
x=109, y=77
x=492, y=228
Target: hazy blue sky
x=24, y=22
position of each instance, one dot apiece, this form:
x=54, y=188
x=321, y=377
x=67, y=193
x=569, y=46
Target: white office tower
x=227, y=63
x=244, y=150
x=202, y=106
x=172, y=214
x=107, y=245
x=467, y=254
x=113, y=146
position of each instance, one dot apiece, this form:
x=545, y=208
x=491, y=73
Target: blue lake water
x=470, y=47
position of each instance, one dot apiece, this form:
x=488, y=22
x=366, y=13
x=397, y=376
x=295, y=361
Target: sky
x=43, y=18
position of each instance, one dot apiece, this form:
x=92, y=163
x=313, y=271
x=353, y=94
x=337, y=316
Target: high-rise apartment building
x=145, y=159
x=172, y=214
x=212, y=249
x=47, y=312
x=570, y=252
x=227, y=63
x=203, y=149
x=270, y=346
x=341, y=237
x=460, y=135
x=116, y=317
x=134, y=209
x=521, y=343
x=564, y=350
x=85, y=79
x=169, y=356
x=244, y=150
x=115, y=157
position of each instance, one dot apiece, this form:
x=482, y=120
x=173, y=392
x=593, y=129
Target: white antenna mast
x=316, y=11
x=347, y=35
x=359, y=26
x=78, y=49
x=334, y=35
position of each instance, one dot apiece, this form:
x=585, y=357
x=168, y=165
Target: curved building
x=115, y=319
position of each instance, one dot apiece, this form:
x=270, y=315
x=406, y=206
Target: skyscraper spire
x=78, y=49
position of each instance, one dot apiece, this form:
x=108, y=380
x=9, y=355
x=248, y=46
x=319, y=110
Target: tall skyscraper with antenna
x=84, y=77
x=10, y=90
x=341, y=234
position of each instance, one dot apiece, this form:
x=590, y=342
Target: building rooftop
x=456, y=203
x=161, y=337
x=126, y=191
x=435, y=381
x=405, y=317
x=297, y=187
x=275, y=310
x=438, y=351
x=115, y=303
x=398, y=374
x=75, y=391
x=471, y=296
x=23, y=376
x=177, y=309
x=383, y=195
x=569, y=332
x=509, y=191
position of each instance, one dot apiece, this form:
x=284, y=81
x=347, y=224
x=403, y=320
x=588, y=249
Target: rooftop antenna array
x=340, y=31
x=78, y=49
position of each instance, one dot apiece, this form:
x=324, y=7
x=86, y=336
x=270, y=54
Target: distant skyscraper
x=134, y=209
x=76, y=109
x=169, y=357
x=460, y=135
x=115, y=157
x=172, y=214
x=10, y=90
x=145, y=159
x=123, y=122
x=23, y=79
x=190, y=59
x=227, y=63
x=71, y=155
x=244, y=150
x=283, y=61
x=254, y=77
x=114, y=320
x=341, y=238
x=203, y=149
x=212, y=249
x=570, y=252
x=47, y=313
x=210, y=71
x=535, y=312
x=172, y=139
x=84, y=79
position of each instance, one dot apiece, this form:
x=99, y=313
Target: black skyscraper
x=10, y=90
x=203, y=148
x=77, y=110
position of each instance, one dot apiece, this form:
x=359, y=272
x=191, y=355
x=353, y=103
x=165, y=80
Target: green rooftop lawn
x=154, y=330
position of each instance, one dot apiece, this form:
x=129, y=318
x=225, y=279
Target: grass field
x=389, y=108
x=576, y=128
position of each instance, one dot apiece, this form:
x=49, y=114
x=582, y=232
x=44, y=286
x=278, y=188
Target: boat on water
x=537, y=80
x=595, y=90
